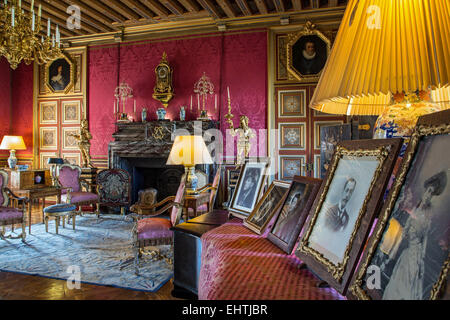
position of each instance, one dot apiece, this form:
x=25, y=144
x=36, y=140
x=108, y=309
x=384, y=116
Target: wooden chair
x=114, y=188
x=212, y=189
x=155, y=231
x=8, y=215
x=68, y=178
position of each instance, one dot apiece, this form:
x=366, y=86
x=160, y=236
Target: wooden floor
x=17, y=286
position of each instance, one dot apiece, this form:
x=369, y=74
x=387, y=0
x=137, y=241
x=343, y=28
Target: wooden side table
x=194, y=201
x=37, y=193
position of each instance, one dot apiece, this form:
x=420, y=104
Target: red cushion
x=154, y=228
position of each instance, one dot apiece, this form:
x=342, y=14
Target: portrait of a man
x=309, y=55
x=59, y=74
x=248, y=192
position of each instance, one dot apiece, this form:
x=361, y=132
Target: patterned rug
x=101, y=249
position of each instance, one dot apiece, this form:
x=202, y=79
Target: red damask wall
x=5, y=100
x=234, y=59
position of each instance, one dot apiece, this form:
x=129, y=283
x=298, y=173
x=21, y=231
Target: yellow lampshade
x=189, y=151
x=13, y=143
x=385, y=47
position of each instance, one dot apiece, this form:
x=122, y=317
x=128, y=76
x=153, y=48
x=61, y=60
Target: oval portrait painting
x=59, y=74
x=309, y=54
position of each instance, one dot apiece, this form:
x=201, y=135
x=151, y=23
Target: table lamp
x=189, y=151
x=391, y=59
x=12, y=143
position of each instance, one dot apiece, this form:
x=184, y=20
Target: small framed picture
x=48, y=138
x=291, y=166
x=291, y=103
x=292, y=135
x=71, y=112
x=249, y=188
x=343, y=213
x=293, y=212
x=69, y=140
x=266, y=207
x=407, y=256
x=318, y=125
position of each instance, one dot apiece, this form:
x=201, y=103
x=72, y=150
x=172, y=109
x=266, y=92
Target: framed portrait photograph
x=407, y=257
x=292, y=212
x=249, y=188
x=329, y=137
x=348, y=201
x=266, y=207
x=307, y=53
x=60, y=75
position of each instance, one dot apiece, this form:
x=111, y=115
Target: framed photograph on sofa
x=407, y=256
x=249, y=187
x=343, y=213
x=293, y=212
x=266, y=207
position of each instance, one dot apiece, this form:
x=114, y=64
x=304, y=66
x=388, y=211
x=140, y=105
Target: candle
x=32, y=22
x=134, y=105
x=20, y=3
x=40, y=9
x=32, y=5
x=198, y=101
x=114, y=107
x=228, y=89
x=48, y=27
x=57, y=33
x=191, y=101
x=215, y=102
x=12, y=17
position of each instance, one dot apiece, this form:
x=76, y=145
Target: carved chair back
x=177, y=210
x=68, y=176
x=4, y=199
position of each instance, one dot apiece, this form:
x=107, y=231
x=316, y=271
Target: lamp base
x=12, y=160
x=191, y=180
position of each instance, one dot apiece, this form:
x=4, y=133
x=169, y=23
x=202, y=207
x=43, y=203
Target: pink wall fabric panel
x=237, y=60
x=5, y=99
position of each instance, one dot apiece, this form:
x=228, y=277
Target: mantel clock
x=163, y=90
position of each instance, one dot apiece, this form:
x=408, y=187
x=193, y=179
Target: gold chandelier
x=19, y=36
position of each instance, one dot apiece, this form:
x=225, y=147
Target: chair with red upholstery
x=8, y=215
x=155, y=231
x=68, y=178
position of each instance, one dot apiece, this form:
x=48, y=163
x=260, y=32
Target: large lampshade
x=189, y=151
x=13, y=143
x=384, y=48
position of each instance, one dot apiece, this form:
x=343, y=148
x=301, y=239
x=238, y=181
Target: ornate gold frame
x=356, y=288
x=337, y=271
x=308, y=30
x=73, y=71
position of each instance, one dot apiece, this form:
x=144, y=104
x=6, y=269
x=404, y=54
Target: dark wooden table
x=194, y=201
x=37, y=193
x=187, y=251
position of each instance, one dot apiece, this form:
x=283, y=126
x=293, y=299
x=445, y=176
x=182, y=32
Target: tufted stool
x=58, y=211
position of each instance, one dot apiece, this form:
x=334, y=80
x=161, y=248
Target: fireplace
x=142, y=150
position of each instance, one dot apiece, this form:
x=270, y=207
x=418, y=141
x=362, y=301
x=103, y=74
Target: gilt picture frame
x=348, y=202
x=414, y=219
x=249, y=187
x=60, y=74
x=267, y=206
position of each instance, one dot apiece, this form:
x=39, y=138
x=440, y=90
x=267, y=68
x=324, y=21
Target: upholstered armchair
x=70, y=181
x=146, y=200
x=114, y=188
x=212, y=189
x=8, y=215
x=156, y=231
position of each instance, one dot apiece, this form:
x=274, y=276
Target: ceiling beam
x=332, y=3
x=157, y=8
x=123, y=10
x=173, y=7
x=190, y=5
x=279, y=5
x=140, y=9
x=57, y=6
x=243, y=5
x=262, y=6
x=227, y=8
x=314, y=4
x=88, y=5
x=297, y=5
x=209, y=6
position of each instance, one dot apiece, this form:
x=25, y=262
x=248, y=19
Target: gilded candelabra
x=122, y=93
x=202, y=88
x=19, y=36
x=245, y=134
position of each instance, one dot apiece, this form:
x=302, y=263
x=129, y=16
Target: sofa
x=238, y=264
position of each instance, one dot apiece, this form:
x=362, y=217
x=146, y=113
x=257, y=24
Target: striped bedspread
x=238, y=264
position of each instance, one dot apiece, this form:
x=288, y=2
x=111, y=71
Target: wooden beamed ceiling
x=103, y=16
